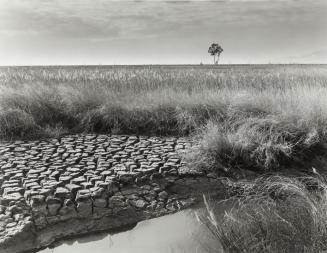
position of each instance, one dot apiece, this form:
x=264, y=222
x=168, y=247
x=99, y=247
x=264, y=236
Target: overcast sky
x=35, y=32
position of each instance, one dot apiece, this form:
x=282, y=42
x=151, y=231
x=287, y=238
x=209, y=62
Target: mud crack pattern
x=46, y=182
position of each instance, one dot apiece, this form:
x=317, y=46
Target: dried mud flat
x=58, y=188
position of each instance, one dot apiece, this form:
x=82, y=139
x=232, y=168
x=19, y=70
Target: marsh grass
x=272, y=214
x=257, y=143
x=255, y=116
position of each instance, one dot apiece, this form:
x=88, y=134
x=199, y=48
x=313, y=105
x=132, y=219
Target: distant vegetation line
x=221, y=65
x=258, y=118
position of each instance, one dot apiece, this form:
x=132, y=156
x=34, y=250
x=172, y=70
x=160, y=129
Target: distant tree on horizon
x=215, y=49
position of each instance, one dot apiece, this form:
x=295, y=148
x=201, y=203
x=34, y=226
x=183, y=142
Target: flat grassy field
x=257, y=116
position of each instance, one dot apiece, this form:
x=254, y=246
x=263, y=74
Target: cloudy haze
x=50, y=32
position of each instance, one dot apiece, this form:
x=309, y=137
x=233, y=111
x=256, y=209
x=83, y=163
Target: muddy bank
x=85, y=183
x=124, y=209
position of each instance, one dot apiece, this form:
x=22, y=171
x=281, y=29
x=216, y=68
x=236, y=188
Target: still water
x=176, y=233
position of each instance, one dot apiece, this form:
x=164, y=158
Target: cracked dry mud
x=57, y=188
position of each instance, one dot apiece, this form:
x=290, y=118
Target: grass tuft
x=273, y=214
x=257, y=143
x=15, y=122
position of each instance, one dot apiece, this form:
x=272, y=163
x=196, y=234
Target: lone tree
x=215, y=49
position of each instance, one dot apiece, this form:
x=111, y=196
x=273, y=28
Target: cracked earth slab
x=57, y=188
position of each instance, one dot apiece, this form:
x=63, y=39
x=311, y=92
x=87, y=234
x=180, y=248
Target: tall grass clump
x=256, y=143
x=15, y=122
x=273, y=214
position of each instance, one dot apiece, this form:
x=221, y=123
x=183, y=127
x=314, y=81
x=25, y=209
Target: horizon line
x=155, y=64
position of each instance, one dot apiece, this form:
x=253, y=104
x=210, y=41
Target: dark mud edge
x=124, y=210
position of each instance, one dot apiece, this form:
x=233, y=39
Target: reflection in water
x=176, y=233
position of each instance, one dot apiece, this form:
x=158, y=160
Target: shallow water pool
x=175, y=233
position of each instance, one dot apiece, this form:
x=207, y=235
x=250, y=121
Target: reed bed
x=255, y=115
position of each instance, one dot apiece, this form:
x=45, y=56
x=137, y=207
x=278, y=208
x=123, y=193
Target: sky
x=87, y=32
